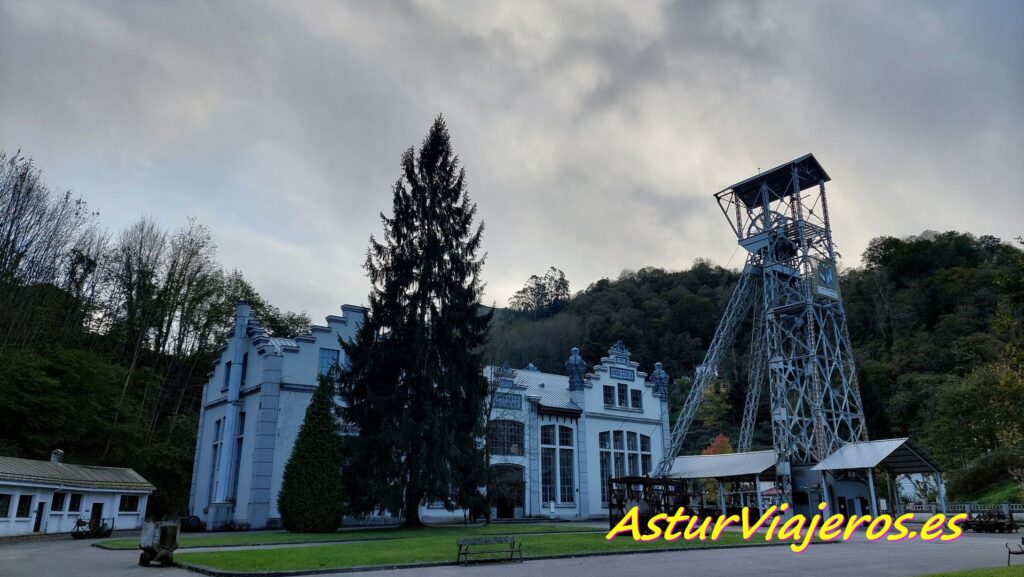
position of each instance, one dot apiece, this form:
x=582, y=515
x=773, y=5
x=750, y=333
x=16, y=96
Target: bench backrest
x=487, y=540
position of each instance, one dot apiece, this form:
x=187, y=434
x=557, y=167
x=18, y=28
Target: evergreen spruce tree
x=312, y=491
x=414, y=383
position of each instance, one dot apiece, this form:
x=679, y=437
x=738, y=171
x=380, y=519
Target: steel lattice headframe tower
x=800, y=340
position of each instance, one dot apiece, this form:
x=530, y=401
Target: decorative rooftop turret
x=576, y=369
x=660, y=380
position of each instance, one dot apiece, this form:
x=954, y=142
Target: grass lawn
x=1015, y=571
x=186, y=540
x=433, y=547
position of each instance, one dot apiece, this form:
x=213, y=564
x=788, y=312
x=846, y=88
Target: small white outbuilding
x=51, y=496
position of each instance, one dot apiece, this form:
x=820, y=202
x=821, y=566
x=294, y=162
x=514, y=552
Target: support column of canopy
x=824, y=494
x=757, y=490
x=871, y=489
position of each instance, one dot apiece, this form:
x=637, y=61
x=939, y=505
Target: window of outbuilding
x=24, y=506
x=5, y=505
x=75, y=503
x=129, y=504
x=57, y=505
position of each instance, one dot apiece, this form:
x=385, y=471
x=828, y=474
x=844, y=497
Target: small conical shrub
x=311, y=498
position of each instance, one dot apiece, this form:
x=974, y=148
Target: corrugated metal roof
x=280, y=343
x=83, y=476
x=900, y=456
x=718, y=466
x=780, y=180
x=552, y=389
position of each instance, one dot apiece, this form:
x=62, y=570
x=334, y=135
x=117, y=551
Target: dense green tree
x=312, y=491
x=414, y=385
x=542, y=296
x=933, y=319
x=105, y=339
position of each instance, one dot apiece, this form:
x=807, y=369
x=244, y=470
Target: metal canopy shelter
x=727, y=466
x=721, y=466
x=897, y=456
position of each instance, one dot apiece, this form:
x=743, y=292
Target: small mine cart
x=158, y=541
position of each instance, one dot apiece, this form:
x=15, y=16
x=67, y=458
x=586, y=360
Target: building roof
x=780, y=180
x=552, y=389
x=15, y=470
x=899, y=456
x=719, y=466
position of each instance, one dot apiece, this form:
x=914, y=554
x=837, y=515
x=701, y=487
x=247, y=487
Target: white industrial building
x=51, y=496
x=553, y=438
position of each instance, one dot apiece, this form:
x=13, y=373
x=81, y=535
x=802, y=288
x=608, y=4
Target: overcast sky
x=593, y=133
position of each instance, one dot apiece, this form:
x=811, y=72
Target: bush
x=312, y=498
x=983, y=473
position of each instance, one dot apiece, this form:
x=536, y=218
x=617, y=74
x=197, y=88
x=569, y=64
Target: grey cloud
x=593, y=133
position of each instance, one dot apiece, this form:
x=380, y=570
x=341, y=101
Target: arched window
x=505, y=438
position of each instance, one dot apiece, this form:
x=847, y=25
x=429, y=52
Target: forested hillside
x=106, y=338
x=935, y=322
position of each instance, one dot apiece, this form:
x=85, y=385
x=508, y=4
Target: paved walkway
x=856, y=558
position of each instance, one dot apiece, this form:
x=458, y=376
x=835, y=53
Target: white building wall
x=63, y=520
x=281, y=375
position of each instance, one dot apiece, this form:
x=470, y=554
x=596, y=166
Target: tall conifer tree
x=312, y=493
x=414, y=383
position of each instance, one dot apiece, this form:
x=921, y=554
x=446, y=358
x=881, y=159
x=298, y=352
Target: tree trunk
x=412, y=509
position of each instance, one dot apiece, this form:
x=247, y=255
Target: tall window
x=227, y=376
x=557, y=465
x=5, y=505
x=604, y=443
x=622, y=453
x=238, y=453
x=505, y=438
x=623, y=395
x=631, y=454
x=328, y=358
x=75, y=503
x=609, y=395
x=645, y=454
x=565, y=466
x=245, y=367
x=218, y=437
x=636, y=398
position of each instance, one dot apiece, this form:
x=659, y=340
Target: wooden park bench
x=496, y=547
x=1010, y=551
